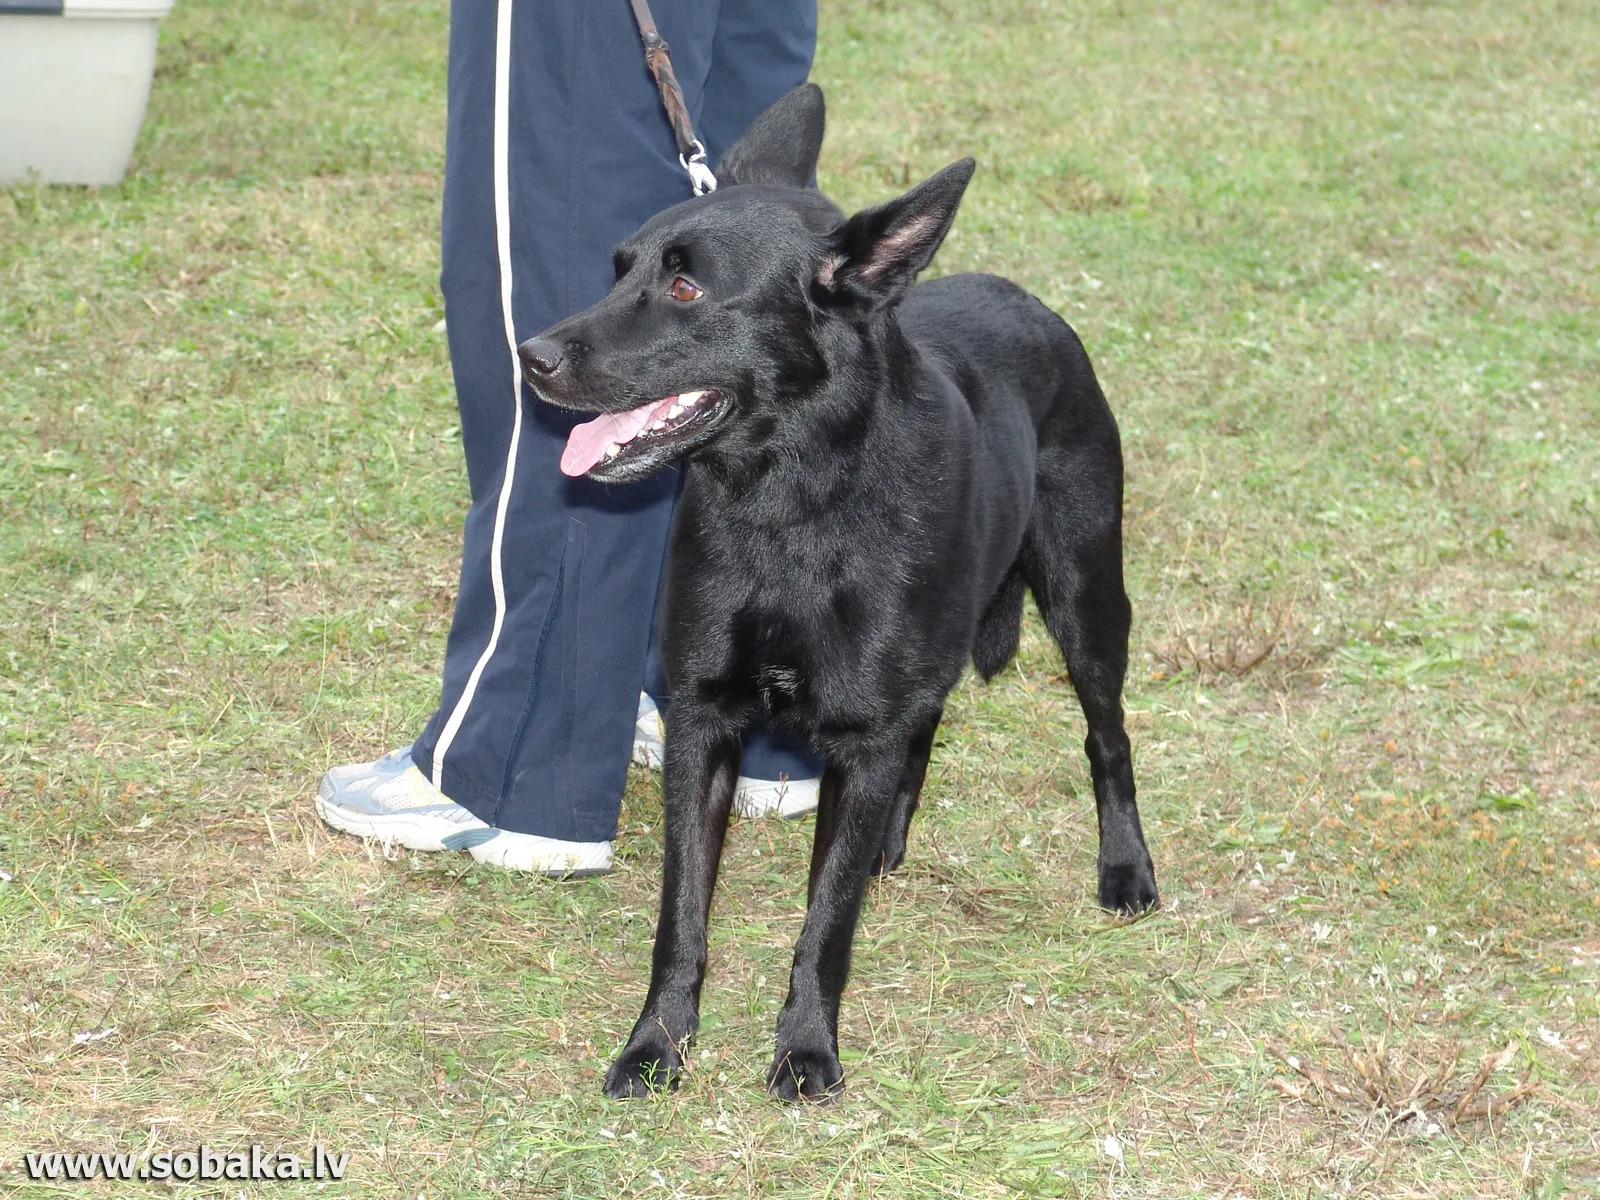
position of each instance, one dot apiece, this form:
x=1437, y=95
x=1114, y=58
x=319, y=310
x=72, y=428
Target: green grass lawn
x=1337, y=265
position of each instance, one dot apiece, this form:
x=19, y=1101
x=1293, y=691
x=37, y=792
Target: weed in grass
x=1234, y=644
x=1376, y=1080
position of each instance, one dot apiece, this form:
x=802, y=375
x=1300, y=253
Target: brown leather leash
x=691, y=150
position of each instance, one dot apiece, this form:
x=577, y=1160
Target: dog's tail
x=1000, y=628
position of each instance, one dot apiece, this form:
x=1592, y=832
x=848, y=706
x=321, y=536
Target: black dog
x=875, y=472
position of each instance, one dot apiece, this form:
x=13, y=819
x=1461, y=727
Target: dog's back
x=1003, y=346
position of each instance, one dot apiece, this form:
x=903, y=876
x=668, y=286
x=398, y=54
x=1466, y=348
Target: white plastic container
x=73, y=86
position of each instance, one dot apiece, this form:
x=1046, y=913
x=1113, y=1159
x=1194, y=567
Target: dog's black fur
x=876, y=472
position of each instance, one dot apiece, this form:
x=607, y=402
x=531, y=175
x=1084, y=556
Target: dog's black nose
x=542, y=356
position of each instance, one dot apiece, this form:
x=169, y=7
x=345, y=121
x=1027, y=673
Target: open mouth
x=620, y=437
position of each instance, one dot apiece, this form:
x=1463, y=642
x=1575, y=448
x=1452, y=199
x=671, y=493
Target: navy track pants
x=556, y=149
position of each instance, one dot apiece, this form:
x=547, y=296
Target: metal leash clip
x=658, y=59
x=700, y=177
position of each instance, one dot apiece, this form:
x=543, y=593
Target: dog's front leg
x=702, y=764
x=860, y=789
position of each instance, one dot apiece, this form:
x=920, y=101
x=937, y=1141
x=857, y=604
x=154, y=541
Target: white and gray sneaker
x=391, y=801
x=649, y=735
x=787, y=798
x=790, y=799
x=358, y=777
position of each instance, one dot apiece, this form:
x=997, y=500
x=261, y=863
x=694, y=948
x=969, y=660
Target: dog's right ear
x=782, y=145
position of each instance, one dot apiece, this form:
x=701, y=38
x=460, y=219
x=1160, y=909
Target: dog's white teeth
x=613, y=450
x=688, y=398
x=660, y=423
x=673, y=412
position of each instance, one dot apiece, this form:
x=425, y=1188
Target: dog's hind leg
x=861, y=795
x=1072, y=557
x=910, y=791
x=702, y=764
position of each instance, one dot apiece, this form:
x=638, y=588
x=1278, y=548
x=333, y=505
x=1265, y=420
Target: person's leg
x=556, y=154
x=556, y=149
x=763, y=48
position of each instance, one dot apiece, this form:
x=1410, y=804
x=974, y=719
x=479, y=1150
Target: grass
x=1336, y=264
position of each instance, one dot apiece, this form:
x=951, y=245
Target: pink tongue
x=586, y=444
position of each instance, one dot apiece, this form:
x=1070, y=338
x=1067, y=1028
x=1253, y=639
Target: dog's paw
x=1128, y=888
x=806, y=1073
x=644, y=1070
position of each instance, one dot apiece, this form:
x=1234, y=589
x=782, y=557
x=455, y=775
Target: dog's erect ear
x=781, y=147
x=876, y=254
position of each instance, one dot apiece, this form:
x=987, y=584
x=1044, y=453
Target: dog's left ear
x=782, y=144
x=875, y=255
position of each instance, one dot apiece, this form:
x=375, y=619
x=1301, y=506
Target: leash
x=691, y=150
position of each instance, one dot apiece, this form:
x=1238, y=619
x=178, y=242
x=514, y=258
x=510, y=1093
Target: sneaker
x=361, y=776
x=649, y=735
x=790, y=799
x=542, y=855
x=787, y=798
x=372, y=800
x=402, y=807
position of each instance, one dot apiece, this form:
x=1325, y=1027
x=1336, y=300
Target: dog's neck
x=822, y=439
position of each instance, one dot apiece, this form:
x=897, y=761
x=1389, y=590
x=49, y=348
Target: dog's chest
x=777, y=684
x=797, y=617
x=790, y=642
x=772, y=657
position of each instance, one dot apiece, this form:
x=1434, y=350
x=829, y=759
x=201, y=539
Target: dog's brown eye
x=683, y=290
